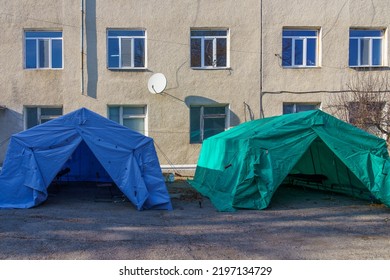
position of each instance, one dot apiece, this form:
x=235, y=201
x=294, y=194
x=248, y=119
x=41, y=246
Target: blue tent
x=91, y=147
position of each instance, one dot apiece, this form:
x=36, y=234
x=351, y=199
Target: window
x=206, y=121
x=209, y=49
x=126, y=49
x=300, y=48
x=289, y=108
x=43, y=50
x=133, y=117
x=366, y=48
x=366, y=114
x=38, y=115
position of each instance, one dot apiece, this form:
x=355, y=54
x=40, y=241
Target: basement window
x=39, y=115
x=132, y=117
x=289, y=108
x=206, y=121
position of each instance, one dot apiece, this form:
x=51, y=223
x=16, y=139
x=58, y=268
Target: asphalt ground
x=83, y=222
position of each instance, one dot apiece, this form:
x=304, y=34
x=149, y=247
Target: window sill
x=43, y=69
x=129, y=69
x=301, y=67
x=366, y=67
x=211, y=68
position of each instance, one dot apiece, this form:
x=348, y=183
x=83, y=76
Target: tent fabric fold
x=92, y=148
x=243, y=167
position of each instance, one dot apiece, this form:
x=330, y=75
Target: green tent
x=242, y=167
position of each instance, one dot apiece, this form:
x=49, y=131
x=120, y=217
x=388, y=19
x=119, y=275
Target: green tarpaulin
x=243, y=167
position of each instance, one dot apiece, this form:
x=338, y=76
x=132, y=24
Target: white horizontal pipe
x=179, y=167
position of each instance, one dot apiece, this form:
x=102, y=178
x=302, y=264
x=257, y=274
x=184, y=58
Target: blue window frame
x=43, y=50
x=126, y=49
x=209, y=49
x=300, y=48
x=366, y=48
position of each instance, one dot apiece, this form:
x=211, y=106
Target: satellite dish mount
x=157, y=83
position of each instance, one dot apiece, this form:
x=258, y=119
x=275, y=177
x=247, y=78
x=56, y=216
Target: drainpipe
x=261, y=60
x=82, y=45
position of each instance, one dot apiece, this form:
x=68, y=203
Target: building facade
x=225, y=62
x=314, y=50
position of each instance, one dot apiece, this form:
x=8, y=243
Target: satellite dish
x=157, y=83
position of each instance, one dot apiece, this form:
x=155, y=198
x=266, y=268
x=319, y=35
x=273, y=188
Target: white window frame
x=383, y=38
x=41, y=117
x=132, y=48
x=123, y=116
x=214, y=39
x=204, y=116
x=49, y=39
x=304, y=38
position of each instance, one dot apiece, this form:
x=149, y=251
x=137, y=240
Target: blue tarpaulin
x=92, y=148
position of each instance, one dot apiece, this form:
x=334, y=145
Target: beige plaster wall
x=168, y=24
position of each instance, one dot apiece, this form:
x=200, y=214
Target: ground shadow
x=294, y=227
